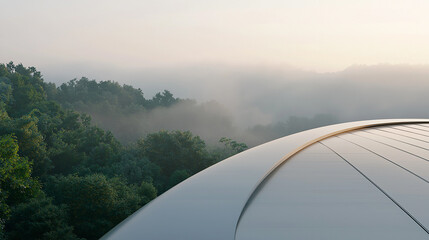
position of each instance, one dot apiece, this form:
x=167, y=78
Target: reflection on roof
x=359, y=180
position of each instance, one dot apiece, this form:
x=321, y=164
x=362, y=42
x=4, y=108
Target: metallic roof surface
x=357, y=180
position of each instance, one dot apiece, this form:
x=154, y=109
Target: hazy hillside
x=62, y=177
x=253, y=104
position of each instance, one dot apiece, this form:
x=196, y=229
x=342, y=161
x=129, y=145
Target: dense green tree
x=133, y=168
x=30, y=140
x=16, y=184
x=79, y=94
x=164, y=99
x=64, y=155
x=39, y=219
x=89, y=199
x=175, y=150
x=92, y=180
x=6, y=91
x=226, y=149
x=147, y=192
x=27, y=87
x=2, y=231
x=95, y=202
x=177, y=177
x=77, y=142
x=113, y=106
x=234, y=146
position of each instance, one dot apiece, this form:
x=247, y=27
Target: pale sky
x=323, y=36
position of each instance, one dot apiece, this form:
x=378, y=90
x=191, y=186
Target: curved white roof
x=358, y=180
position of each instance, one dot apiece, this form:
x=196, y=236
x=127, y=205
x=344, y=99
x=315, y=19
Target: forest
x=64, y=177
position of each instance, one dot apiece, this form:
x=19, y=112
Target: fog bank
x=245, y=97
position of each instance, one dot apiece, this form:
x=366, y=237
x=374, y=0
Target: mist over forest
x=258, y=104
x=79, y=157
x=64, y=177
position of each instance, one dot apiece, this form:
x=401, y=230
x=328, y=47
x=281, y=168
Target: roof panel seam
x=412, y=131
x=396, y=164
x=384, y=130
x=392, y=147
x=367, y=131
x=379, y=188
x=416, y=128
x=400, y=129
x=423, y=125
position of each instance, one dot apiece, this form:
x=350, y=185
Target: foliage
x=178, y=176
x=95, y=202
x=16, y=184
x=91, y=182
x=2, y=233
x=226, y=148
x=39, y=219
x=6, y=93
x=109, y=95
x=112, y=106
x=235, y=146
x=133, y=168
x=164, y=99
x=26, y=84
x=77, y=93
x=175, y=150
x=147, y=192
x=30, y=140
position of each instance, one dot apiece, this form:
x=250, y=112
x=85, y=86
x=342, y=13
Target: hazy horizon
x=261, y=96
x=262, y=61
